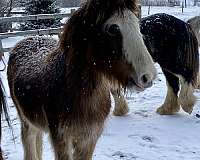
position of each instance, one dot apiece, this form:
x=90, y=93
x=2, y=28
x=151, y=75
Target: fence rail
x=15, y=12
x=49, y=31
x=33, y=17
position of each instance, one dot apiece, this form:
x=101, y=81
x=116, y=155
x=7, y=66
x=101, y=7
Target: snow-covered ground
x=142, y=134
x=188, y=12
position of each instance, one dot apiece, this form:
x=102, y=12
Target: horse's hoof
x=187, y=109
x=188, y=105
x=121, y=111
x=165, y=111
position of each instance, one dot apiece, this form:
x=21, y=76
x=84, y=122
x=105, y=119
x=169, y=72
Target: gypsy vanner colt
x=174, y=46
x=62, y=88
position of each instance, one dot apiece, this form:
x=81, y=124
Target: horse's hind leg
x=186, y=97
x=121, y=106
x=1, y=156
x=32, y=142
x=171, y=104
x=39, y=149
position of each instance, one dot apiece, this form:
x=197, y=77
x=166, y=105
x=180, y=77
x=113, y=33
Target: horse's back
x=32, y=50
x=163, y=33
x=161, y=22
x=172, y=43
x=28, y=55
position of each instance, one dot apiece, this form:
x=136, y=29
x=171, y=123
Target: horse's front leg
x=121, y=106
x=84, y=143
x=61, y=142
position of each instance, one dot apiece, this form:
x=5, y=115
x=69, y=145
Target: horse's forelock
x=89, y=19
x=98, y=11
x=106, y=8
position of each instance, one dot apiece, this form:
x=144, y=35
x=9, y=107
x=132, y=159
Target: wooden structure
x=49, y=31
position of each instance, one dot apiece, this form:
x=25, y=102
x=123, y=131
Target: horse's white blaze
x=134, y=48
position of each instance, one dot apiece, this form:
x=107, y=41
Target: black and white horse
x=173, y=45
x=63, y=88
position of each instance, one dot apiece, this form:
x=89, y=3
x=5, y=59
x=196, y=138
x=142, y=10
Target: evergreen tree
x=5, y=11
x=33, y=7
x=72, y=3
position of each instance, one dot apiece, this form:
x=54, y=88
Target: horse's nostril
x=146, y=80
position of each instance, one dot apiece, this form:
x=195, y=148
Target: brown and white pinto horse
x=62, y=88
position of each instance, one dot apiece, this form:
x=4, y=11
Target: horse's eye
x=113, y=29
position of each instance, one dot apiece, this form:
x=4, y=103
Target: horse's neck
x=82, y=86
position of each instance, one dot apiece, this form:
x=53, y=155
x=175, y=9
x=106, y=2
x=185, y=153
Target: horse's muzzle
x=141, y=83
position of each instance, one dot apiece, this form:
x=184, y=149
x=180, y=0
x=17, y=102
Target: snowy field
x=142, y=134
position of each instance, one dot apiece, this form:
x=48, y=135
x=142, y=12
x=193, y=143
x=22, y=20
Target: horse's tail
x=195, y=25
x=3, y=109
x=190, y=69
x=191, y=57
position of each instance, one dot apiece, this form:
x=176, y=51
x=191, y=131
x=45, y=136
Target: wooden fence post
x=182, y=6
x=72, y=11
x=139, y=12
x=149, y=8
